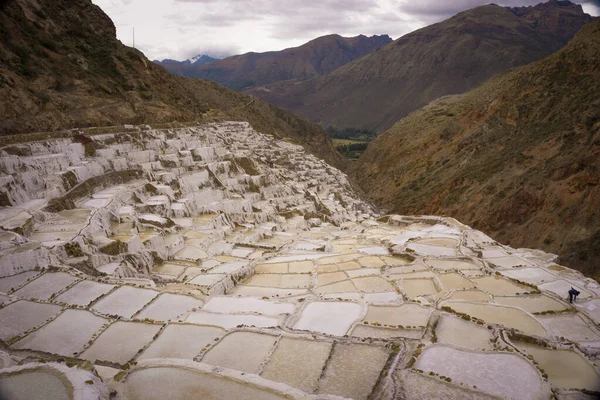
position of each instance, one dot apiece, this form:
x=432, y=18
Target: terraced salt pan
x=168, y=306
x=371, y=262
x=372, y=284
x=45, y=286
x=229, y=321
x=120, y=342
x=495, y=314
x=438, y=241
x=182, y=341
x=339, y=287
x=452, y=264
x=14, y=281
x=497, y=286
x=125, y=301
x=430, y=250
x=21, y=316
x=242, y=351
x=404, y=315
x=207, y=280
x=374, y=250
x=504, y=375
x=570, y=326
x=326, y=278
x=532, y=303
x=470, y=295
x=298, y=363
x=34, y=385
x=418, y=287
x=534, y=276
x=232, y=305
x=255, y=291
x=566, y=369
x=66, y=335
x=83, y=293
x=456, y=331
x=508, y=262
x=353, y=370
x=333, y=318
x=561, y=288
x=455, y=281
x=188, y=384
x=368, y=331
x=419, y=387
x=357, y=273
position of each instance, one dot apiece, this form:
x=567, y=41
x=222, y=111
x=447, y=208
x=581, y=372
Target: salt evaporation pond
x=507, y=316
x=566, y=369
x=333, y=318
x=33, y=385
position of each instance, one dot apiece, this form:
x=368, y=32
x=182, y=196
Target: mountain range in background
x=317, y=57
x=63, y=67
x=450, y=57
x=518, y=157
x=180, y=67
x=200, y=59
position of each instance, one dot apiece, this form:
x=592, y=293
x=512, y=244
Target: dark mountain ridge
x=317, y=57
x=449, y=57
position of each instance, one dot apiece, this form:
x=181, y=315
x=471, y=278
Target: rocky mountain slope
x=62, y=67
x=317, y=57
x=518, y=157
x=450, y=57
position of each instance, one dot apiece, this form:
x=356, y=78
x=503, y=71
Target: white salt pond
x=497, y=286
x=495, y=314
x=418, y=287
x=159, y=383
x=442, y=264
x=46, y=286
x=182, y=341
x=242, y=351
x=66, y=335
x=21, y=316
x=353, y=370
x=503, y=375
x=420, y=387
x=33, y=385
x=456, y=331
x=83, y=293
x=566, y=369
x=406, y=315
x=125, y=301
x=14, y=281
x=229, y=321
x=298, y=363
x=532, y=303
x=120, y=342
x=168, y=307
x=247, y=305
x=333, y=318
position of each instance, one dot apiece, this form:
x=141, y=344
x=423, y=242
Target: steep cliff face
x=317, y=57
x=62, y=67
x=518, y=157
x=450, y=57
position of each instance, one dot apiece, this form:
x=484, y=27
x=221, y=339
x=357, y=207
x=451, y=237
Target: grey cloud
x=286, y=19
x=444, y=8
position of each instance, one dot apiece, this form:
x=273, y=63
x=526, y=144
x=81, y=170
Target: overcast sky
x=181, y=29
